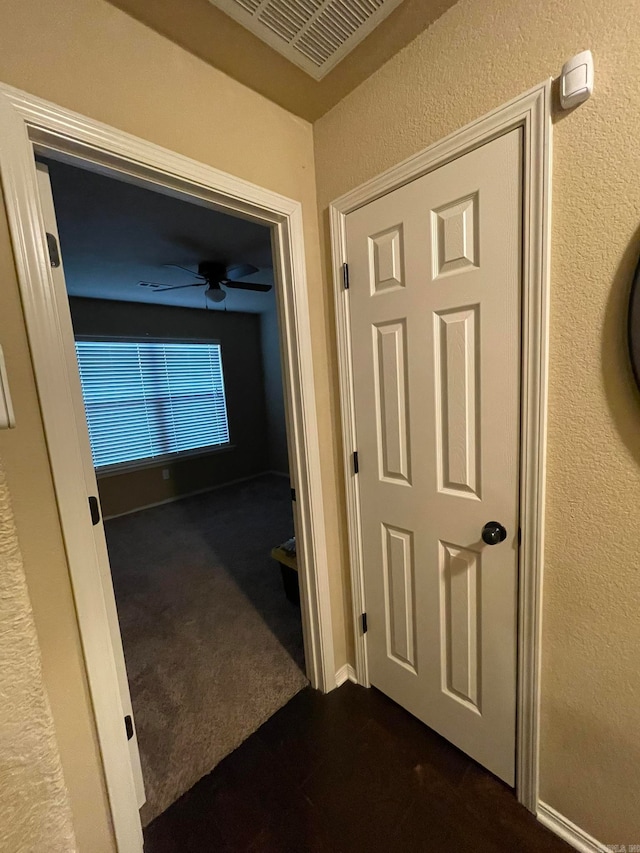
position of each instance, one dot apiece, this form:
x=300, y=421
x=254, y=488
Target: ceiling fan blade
x=181, y=286
x=247, y=285
x=152, y=285
x=237, y=271
x=186, y=269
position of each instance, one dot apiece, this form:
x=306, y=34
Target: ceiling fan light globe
x=215, y=294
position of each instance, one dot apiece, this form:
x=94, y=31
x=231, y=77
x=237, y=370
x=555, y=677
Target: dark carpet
x=213, y=647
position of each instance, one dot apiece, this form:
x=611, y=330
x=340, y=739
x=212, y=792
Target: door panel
x=397, y=558
x=435, y=325
x=460, y=640
x=456, y=382
x=64, y=314
x=390, y=364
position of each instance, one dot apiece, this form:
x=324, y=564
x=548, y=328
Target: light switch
x=576, y=80
x=7, y=420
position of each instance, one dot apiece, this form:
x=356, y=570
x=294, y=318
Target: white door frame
x=29, y=124
x=531, y=112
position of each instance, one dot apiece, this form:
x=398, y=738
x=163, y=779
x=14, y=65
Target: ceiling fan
x=214, y=275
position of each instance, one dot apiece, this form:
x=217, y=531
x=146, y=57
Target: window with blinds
x=144, y=400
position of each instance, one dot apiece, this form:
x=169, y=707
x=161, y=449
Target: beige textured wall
x=91, y=57
x=208, y=33
x=34, y=806
x=478, y=55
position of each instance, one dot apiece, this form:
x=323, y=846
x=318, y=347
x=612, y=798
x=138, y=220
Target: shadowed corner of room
x=623, y=397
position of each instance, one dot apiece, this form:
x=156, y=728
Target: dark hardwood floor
x=347, y=772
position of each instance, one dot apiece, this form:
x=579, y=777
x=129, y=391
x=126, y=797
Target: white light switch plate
x=7, y=419
x=576, y=80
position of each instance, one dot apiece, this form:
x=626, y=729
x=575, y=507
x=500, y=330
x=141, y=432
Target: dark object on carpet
x=350, y=772
x=290, y=584
x=213, y=648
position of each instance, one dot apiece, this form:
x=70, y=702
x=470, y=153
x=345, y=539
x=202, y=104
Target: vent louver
x=314, y=34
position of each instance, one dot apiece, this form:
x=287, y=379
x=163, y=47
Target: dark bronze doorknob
x=493, y=533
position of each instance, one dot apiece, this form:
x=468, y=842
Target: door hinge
x=95, y=510
x=293, y=494
x=345, y=276
x=356, y=464
x=128, y=726
x=54, y=252
x=364, y=623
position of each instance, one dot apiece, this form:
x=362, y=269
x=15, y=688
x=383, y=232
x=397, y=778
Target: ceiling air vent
x=314, y=34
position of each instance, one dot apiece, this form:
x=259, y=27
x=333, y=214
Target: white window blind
x=144, y=400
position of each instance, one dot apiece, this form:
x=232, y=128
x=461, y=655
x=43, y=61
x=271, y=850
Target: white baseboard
x=346, y=673
x=568, y=831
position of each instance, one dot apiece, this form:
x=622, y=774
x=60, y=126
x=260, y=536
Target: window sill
x=158, y=461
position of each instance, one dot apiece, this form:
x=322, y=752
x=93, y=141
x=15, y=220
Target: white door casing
x=434, y=270
x=101, y=555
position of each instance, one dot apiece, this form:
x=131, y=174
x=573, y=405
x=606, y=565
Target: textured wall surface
x=34, y=807
x=478, y=55
x=212, y=35
x=90, y=57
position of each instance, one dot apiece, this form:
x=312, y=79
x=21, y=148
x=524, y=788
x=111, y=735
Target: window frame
x=132, y=465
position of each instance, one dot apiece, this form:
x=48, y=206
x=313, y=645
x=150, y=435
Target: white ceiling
x=114, y=234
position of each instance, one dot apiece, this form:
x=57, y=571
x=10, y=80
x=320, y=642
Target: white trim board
x=29, y=124
x=568, y=831
x=346, y=673
x=531, y=112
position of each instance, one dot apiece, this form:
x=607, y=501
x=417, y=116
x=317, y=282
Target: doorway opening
x=34, y=126
x=178, y=349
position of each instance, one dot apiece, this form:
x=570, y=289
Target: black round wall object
x=634, y=325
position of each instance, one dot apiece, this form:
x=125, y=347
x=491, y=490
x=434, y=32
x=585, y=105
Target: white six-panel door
x=435, y=280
